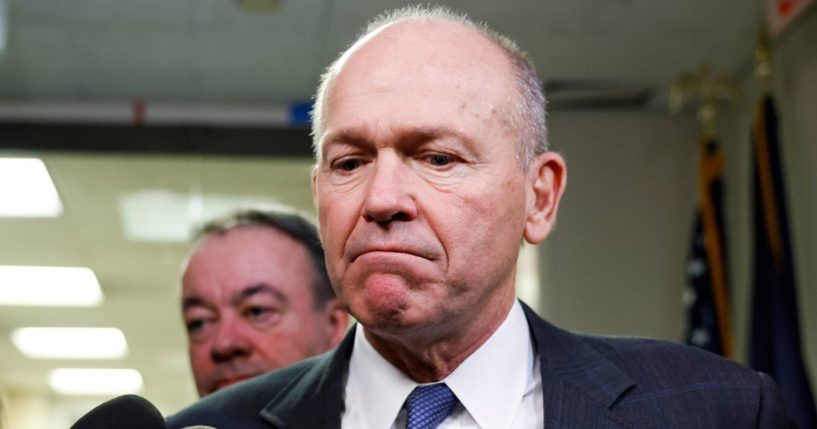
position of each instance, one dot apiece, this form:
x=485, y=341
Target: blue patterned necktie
x=427, y=406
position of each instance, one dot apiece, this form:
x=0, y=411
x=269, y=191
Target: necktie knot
x=427, y=406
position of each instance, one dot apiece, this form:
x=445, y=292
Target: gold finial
x=763, y=61
x=708, y=89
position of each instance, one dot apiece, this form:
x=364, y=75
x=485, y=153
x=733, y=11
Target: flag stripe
x=706, y=297
x=710, y=169
x=771, y=221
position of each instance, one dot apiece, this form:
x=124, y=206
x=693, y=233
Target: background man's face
x=419, y=192
x=247, y=303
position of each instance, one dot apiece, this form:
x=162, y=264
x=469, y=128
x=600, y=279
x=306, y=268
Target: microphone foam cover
x=122, y=412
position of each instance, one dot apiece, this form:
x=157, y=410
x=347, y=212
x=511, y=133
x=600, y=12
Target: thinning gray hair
x=527, y=117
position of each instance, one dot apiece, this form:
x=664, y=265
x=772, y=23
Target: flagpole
x=709, y=313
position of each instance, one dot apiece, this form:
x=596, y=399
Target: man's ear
x=547, y=178
x=337, y=322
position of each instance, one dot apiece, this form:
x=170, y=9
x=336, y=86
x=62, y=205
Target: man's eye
x=257, y=312
x=440, y=160
x=350, y=164
x=264, y=316
x=195, y=326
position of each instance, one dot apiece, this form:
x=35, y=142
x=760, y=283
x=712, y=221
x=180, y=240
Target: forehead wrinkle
x=404, y=136
x=352, y=135
x=497, y=111
x=255, y=290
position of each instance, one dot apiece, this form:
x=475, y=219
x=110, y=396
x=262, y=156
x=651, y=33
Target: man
x=255, y=297
x=432, y=167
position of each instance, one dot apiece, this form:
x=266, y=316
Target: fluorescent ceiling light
x=26, y=189
x=70, y=343
x=164, y=216
x=48, y=286
x=95, y=381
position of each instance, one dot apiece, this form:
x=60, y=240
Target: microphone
x=122, y=412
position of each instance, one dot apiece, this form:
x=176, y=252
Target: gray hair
x=294, y=225
x=528, y=119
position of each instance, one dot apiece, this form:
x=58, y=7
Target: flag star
x=696, y=267
x=700, y=337
x=690, y=296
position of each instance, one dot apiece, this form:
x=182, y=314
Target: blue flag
x=707, y=294
x=775, y=335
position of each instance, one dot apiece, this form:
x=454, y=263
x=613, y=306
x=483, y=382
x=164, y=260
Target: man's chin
x=396, y=322
x=389, y=303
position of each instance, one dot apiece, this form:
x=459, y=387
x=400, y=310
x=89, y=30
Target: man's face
x=247, y=304
x=421, y=199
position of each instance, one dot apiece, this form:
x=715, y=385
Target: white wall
x=616, y=261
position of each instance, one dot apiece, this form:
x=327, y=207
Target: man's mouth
x=395, y=250
x=224, y=382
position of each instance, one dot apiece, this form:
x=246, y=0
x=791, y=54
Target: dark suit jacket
x=587, y=382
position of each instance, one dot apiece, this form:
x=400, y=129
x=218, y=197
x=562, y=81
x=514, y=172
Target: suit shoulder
x=239, y=405
x=653, y=383
x=666, y=363
x=690, y=387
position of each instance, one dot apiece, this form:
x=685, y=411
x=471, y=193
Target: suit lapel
x=315, y=399
x=579, y=385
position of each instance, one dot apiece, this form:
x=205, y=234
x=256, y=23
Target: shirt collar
x=496, y=363
x=505, y=360
x=374, y=380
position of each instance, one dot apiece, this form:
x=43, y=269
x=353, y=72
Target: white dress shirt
x=499, y=385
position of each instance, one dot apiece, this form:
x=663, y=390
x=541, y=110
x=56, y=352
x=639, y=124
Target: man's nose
x=390, y=196
x=230, y=342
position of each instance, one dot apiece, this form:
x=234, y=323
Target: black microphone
x=123, y=412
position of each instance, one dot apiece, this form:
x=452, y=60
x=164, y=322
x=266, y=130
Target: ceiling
x=212, y=51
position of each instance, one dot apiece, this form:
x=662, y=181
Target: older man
x=432, y=168
x=255, y=297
